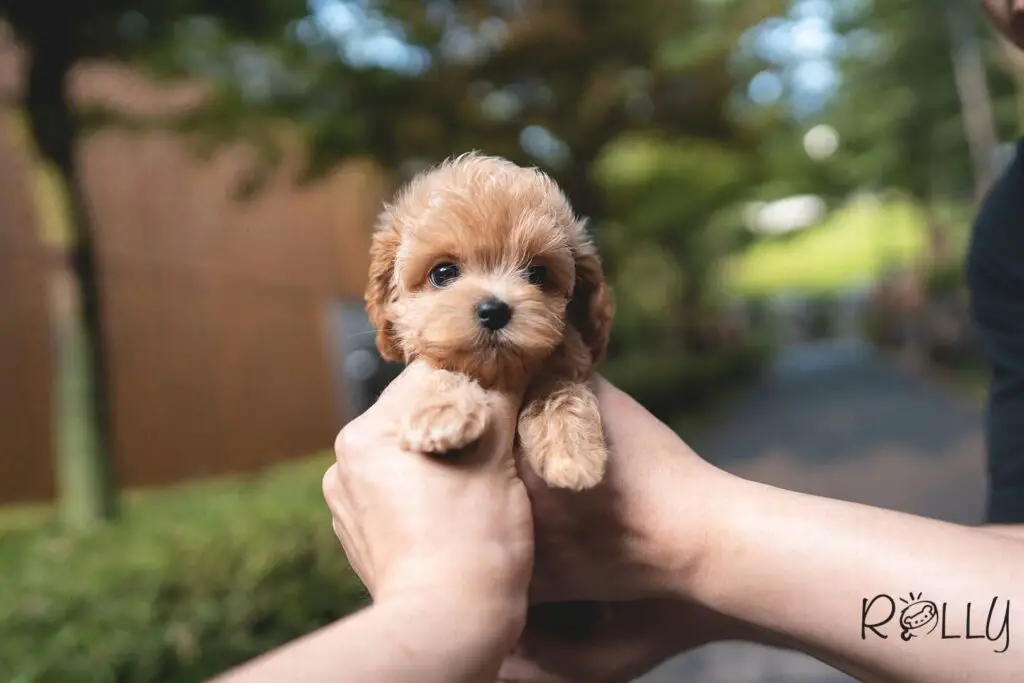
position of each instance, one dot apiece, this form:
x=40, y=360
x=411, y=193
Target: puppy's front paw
x=445, y=423
x=562, y=439
x=576, y=473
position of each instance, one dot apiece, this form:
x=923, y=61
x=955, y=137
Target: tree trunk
x=84, y=463
x=975, y=100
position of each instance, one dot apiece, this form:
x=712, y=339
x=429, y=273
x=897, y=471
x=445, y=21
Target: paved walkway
x=836, y=421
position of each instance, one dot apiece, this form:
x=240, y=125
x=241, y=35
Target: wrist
x=753, y=525
x=687, y=520
x=483, y=615
x=445, y=633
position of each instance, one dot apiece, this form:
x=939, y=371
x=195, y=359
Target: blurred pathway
x=834, y=420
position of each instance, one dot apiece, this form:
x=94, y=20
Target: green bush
x=191, y=582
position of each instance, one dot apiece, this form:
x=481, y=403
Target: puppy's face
x=474, y=268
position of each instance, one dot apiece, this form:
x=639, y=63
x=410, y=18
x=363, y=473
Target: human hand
x=644, y=531
x=634, y=639
x=1008, y=18
x=414, y=525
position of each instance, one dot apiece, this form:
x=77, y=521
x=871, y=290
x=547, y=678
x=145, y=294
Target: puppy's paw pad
x=573, y=473
x=442, y=427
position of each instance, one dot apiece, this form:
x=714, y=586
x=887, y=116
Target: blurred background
x=782, y=191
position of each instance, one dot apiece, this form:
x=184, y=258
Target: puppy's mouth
x=495, y=346
x=495, y=340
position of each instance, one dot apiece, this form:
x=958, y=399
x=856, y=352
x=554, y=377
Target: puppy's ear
x=381, y=293
x=592, y=306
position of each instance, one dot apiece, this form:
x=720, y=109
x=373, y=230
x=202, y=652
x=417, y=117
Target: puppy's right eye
x=443, y=274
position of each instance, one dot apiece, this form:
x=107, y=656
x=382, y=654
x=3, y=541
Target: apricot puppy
x=481, y=268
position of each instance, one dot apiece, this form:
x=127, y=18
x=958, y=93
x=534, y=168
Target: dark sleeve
x=995, y=273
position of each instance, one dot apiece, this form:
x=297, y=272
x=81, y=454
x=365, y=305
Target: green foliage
x=853, y=245
x=672, y=382
x=675, y=209
x=541, y=83
x=129, y=29
x=899, y=113
x=193, y=581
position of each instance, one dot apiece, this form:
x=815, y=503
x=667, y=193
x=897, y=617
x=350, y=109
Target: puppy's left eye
x=537, y=275
x=443, y=274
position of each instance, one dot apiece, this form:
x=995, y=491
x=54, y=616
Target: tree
x=553, y=84
x=971, y=80
x=112, y=29
x=676, y=205
x=548, y=83
x=915, y=109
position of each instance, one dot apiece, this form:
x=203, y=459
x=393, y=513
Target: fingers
x=355, y=551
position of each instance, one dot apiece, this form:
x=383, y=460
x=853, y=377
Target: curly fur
x=495, y=219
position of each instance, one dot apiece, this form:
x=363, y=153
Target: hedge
x=192, y=581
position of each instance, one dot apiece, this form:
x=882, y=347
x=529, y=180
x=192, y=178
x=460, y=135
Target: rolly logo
x=917, y=616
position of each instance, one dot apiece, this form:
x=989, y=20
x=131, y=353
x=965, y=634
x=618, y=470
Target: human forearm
x=1014, y=531
x=805, y=568
x=426, y=640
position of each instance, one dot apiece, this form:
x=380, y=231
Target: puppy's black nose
x=493, y=314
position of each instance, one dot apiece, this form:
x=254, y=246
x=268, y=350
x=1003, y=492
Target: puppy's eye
x=537, y=275
x=443, y=274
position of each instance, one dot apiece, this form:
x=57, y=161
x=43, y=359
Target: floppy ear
x=592, y=306
x=381, y=292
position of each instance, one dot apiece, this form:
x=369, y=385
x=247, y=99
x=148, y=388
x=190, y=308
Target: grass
x=851, y=247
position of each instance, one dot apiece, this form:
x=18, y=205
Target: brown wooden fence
x=217, y=311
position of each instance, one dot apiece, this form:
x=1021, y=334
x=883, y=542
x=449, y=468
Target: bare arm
x=803, y=570
x=444, y=546
x=782, y=568
x=832, y=577
x=1014, y=531
x=419, y=640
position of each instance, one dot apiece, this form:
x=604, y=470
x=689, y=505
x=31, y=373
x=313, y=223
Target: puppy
x=481, y=268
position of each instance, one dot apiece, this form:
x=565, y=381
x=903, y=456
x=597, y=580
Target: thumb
x=495, y=446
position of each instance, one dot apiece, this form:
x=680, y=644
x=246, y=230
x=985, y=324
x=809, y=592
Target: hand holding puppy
x=394, y=510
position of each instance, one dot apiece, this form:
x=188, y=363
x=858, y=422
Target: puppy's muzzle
x=493, y=314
